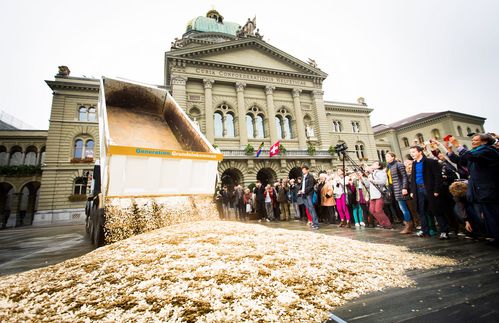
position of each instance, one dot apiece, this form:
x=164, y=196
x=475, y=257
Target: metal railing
x=289, y=153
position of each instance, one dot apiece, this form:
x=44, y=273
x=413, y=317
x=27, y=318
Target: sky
x=403, y=56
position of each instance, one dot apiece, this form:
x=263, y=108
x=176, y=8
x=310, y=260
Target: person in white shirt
x=339, y=183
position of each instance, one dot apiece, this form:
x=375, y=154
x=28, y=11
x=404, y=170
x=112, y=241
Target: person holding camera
x=482, y=162
x=376, y=182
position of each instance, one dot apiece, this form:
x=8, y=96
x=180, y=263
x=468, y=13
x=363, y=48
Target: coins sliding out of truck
x=155, y=169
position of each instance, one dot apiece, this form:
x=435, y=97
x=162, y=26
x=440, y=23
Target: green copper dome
x=212, y=23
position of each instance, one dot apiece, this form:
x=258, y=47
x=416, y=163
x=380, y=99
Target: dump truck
x=155, y=167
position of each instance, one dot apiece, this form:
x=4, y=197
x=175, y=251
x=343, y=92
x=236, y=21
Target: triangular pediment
x=253, y=57
x=250, y=53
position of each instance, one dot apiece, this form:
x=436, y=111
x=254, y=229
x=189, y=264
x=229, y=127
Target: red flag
x=274, y=149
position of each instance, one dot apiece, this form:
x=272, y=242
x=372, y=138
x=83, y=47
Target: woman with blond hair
x=327, y=198
x=398, y=181
x=270, y=202
x=411, y=203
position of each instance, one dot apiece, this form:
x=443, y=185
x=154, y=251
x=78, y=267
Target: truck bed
x=134, y=128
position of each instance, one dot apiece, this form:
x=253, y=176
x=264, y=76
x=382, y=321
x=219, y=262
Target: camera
x=340, y=148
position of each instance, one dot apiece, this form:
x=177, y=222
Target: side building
x=72, y=143
x=399, y=136
x=22, y=153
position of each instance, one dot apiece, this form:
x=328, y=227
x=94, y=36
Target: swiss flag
x=274, y=150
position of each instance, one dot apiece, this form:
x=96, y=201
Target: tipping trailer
x=149, y=150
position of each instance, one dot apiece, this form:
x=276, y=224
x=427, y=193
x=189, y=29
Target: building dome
x=212, y=23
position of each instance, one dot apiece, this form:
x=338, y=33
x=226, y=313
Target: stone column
x=321, y=121
x=300, y=126
x=208, y=109
x=224, y=131
x=241, y=110
x=179, y=92
x=269, y=91
x=255, y=130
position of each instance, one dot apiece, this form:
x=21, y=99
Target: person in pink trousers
x=339, y=183
x=377, y=181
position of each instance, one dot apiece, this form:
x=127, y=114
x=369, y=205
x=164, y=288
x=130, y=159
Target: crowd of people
x=444, y=189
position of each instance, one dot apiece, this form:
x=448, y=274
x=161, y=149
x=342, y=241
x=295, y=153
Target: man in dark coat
x=307, y=191
x=482, y=162
x=426, y=187
x=260, y=200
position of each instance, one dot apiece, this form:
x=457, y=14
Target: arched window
x=259, y=125
x=229, y=125
x=80, y=186
x=435, y=133
x=16, y=156
x=468, y=131
x=287, y=127
x=30, y=157
x=92, y=116
x=4, y=156
x=219, y=127
x=78, y=149
x=283, y=123
x=406, y=142
x=337, y=126
x=355, y=126
x=279, y=127
x=420, y=138
x=359, y=150
x=460, y=131
x=89, y=149
x=224, y=122
x=249, y=126
x=477, y=130
x=82, y=114
x=383, y=156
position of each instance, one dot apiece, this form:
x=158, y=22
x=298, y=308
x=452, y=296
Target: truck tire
x=88, y=220
x=98, y=229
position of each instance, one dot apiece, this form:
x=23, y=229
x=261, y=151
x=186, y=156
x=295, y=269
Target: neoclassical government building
x=243, y=91
x=240, y=90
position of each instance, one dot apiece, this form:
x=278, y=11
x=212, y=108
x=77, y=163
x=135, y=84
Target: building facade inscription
x=248, y=77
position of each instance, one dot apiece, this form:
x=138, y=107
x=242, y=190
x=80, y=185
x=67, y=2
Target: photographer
x=377, y=180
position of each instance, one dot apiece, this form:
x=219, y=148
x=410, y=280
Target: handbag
x=248, y=208
x=387, y=195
